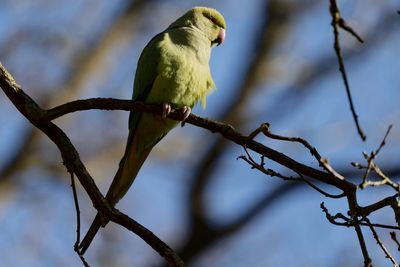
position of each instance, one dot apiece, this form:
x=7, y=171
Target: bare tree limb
x=41, y=118
x=338, y=21
x=226, y=130
x=82, y=65
x=381, y=245
x=37, y=116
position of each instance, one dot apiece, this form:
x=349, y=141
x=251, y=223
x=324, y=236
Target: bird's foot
x=166, y=109
x=186, y=113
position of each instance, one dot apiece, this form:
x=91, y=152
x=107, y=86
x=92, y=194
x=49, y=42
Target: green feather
x=173, y=68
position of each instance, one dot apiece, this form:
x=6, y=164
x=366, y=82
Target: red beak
x=221, y=37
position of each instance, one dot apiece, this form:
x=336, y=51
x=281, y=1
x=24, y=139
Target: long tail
x=129, y=167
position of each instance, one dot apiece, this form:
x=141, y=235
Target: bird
x=172, y=71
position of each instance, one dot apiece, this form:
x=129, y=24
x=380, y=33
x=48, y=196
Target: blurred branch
x=280, y=192
x=82, y=65
x=226, y=130
x=37, y=116
x=302, y=86
x=90, y=60
x=338, y=21
x=271, y=32
x=20, y=154
x=324, y=65
x=41, y=118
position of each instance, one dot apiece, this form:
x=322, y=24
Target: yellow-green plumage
x=173, y=68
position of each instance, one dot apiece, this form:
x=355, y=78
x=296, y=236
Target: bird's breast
x=183, y=79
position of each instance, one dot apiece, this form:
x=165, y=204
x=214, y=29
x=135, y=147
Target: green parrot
x=173, y=70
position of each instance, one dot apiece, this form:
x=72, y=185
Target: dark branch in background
x=14, y=162
x=37, y=116
x=303, y=85
x=42, y=119
x=280, y=16
x=286, y=187
x=202, y=233
x=82, y=64
x=264, y=128
x=226, y=130
x=231, y=134
x=338, y=21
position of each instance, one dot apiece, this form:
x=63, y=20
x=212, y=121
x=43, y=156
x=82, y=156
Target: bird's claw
x=166, y=110
x=186, y=113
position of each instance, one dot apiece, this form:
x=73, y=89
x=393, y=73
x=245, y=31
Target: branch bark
x=38, y=117
x=42, y=119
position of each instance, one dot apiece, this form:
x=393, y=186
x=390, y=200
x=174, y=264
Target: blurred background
x=277, y=65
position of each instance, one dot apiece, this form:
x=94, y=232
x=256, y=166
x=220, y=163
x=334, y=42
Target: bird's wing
x=146, y=74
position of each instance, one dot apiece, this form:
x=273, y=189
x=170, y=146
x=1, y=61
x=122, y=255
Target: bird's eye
x=214, y=20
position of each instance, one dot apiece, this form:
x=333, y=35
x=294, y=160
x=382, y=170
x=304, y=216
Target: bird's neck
x=192, y=36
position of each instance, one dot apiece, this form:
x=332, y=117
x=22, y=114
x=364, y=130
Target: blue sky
x=36, y=207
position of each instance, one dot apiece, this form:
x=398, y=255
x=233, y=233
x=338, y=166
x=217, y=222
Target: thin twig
x=346, y=221
x=395, y=240
x=364, y=184
x=78, y=213
x=372, y=166
x=383, y=142
x=260, y=166
x=326, y=194
x=333, y=218
x=381, y=245
x=338, y=21
x=265, y=129
x=78, y=220
x=385, y=180
x=343, y=24
x=379, y=225
x=269, y=172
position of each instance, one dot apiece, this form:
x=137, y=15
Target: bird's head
x=208, y=20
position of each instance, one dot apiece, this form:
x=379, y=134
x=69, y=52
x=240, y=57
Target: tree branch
x=37, y=116
x=42, y=118
x=338, y=21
